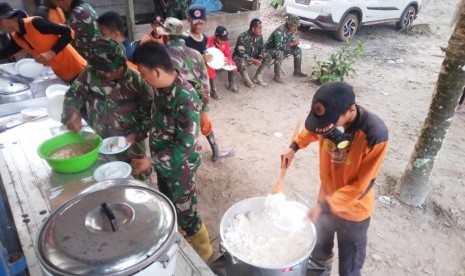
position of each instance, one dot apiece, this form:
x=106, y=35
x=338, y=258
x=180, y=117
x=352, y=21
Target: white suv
x=345, y=16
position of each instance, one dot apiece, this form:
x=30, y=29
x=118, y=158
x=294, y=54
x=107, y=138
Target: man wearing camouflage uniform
x=82, y=18
x=174, y=140
x=250, y=50
x=113, y=99
x=190, y=64
x=283, y=42
x=172, y=8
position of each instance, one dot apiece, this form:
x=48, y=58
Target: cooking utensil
x=124, y=229
x=16, y=78
x=74, y=164
x=238, y=265
x=278, y=186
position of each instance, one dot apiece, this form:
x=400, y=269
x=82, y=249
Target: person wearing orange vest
x=47, y=42
x=81, y=17
x=349, y=163
x=50, y=12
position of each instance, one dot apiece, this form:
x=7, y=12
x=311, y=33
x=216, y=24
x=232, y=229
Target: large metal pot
x=235, y=265
x=14, y=92
x=124, y=229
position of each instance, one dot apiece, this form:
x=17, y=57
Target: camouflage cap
x=107, y=55
x=172, y=26
x=293, y=19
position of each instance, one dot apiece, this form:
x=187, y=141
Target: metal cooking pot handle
x=224, y=250
x=165, y=258
x=110, y=215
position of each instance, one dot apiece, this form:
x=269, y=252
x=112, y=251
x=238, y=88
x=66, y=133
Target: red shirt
x=225, y=48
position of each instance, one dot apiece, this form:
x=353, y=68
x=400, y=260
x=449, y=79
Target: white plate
x=34, y=112
x=55, y=107
x=217, y=61
x=28, y=67
x=112, y=170
x=107, y=141
x=56, y=89
x=229, y=67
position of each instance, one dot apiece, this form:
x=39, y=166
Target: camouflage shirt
x=248, y=46
x=111, y=108
x=83, y=20
x=280, y=38
x=175, y=130
x=191, y=65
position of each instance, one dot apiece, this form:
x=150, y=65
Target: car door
x=373, y=10
x=394, y=8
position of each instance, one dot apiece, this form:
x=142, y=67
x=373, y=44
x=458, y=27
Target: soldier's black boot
x=232, y=82
x=214, y=146
x=277, y=72
x=213, y=92
x=298, y=68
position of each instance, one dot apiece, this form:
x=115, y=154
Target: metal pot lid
x=117, y=230
x=13, y=88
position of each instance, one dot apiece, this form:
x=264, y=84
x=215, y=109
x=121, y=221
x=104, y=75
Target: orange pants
x=206, y=126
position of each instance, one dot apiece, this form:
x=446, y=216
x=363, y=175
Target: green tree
x=413, y=185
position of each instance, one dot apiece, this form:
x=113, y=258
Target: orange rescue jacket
x=347, y=176
x=56, y=15
x=67, y=64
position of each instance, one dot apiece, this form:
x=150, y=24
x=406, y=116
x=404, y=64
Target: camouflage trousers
x=279, y=55
x=242, y=63
x=180, y=189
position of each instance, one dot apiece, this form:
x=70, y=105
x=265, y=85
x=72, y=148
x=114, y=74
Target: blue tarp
x=209, y=5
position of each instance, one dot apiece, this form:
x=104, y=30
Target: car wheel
x=347, y=28
x=407, y=18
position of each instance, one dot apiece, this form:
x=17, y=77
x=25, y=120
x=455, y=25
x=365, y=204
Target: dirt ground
x=396, y=81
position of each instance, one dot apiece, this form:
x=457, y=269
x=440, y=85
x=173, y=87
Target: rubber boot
x=201, y=243
x=277, y=72
x=214, y=146
x=213, y=92
x=247, y=81
x=232, y=82
x=258, y=76
x=319, y=268
x=298, y=68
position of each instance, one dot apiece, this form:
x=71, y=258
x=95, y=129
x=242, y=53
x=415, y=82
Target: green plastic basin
x=70, y=165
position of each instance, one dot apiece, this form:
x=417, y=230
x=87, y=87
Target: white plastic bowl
x=55, y=107
x=28, y=67
x=56, y=89
x=217, y=61
x=112, y=170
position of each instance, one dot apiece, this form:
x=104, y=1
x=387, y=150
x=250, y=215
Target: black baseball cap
x=222, y=33
x=196, y=14
x=6, y=11
x=329, y=102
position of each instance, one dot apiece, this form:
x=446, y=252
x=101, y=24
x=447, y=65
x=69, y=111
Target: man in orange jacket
x=349, y=163
x=47, y=42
